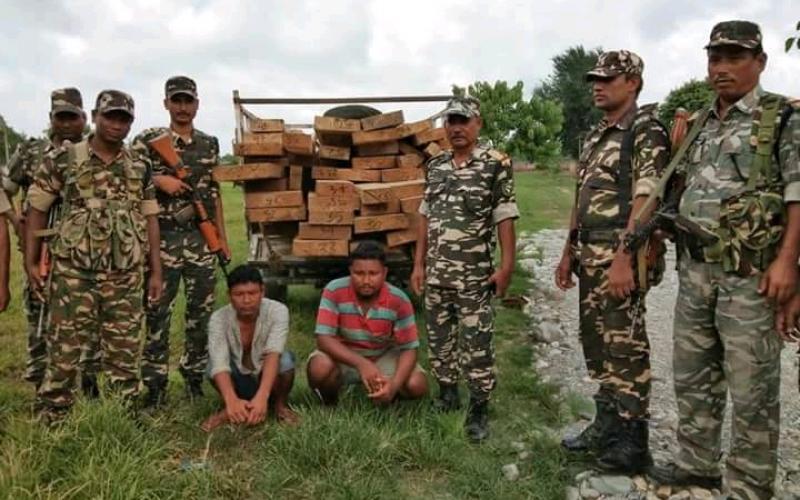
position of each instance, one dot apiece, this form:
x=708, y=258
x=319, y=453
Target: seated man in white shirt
x=247, y=362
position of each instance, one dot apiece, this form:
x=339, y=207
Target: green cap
x=180, y=85
x=616, y=62
x=464, y=106
x=114, y=100
x=66, y=100
x=738, y=33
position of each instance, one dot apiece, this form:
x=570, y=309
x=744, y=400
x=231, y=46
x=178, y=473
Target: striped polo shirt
x=389, y=324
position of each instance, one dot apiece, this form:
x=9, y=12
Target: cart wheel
x=276, y=291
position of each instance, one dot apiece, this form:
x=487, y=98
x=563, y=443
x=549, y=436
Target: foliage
x=525, y=129
x=794, y=40
x=692, y=96
x=13, y=137
x=567, y=86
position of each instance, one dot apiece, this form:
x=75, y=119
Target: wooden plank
x=401, y=174
x=275, y=214
x=273, y=199
x=327, y=173
x=379, y=223
x=411, y=205
x=262, y=185
x=248, y=171
x=385, y=120
x=277, y=160
x=378, y=149
x=320, y=248
x=320, y=203
x=391, y=207
x=433, y=149
x=401, y=237
x=295, y=178
x=374, y=136
x=374, y=193
x=268, y=144
x=444, y=144
x=358, y=175
x=301, y=160
x=298, y=143
x=264, y=125
x=428, y=136
x=309, y=231
x=335, y=188
x=409, y=129
x=331, y=217
x=334, y=152
x=331, y=125
x=410, y=161
x=374, y=162
x=408, y=149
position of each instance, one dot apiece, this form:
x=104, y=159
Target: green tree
x=228, y=159
x=794, y=40
x=10, y=137
x=692, y=96
x=567, y=85
x=525, y=129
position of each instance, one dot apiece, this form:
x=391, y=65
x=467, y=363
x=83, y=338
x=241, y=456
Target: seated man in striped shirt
x=366, y=333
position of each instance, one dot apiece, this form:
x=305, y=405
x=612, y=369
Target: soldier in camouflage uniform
x=107, y=225
x=742, y=184
x=469, y=191
x=184, y=253
x=5, y=251
x=67, y=121
x=619, y=166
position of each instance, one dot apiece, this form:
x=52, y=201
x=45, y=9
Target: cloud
x=307, y=48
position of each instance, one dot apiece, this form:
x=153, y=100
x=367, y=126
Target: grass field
x=355, y=451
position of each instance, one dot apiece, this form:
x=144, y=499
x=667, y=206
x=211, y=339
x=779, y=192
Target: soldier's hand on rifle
x=500, y=279
x=171, y=185
x=786, y=319
x=779, y=282
x=621, y=281
x=36, y=282
x=563, y=274
x=418, y=279
x=154, y=285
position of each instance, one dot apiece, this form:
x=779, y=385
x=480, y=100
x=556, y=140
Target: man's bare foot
x=286, y=415
x=214, y=421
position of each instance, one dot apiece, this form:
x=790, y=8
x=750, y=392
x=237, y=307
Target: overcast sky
x=312, y=48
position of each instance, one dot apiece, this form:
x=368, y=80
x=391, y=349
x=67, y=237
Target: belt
x=589, y=236
x=171, y=224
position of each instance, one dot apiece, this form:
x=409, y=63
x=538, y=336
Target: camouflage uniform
x=98, y=251
x=612, y=331
x=724, y=337
x=18, y=177
x=184, y=254
x=463, y=203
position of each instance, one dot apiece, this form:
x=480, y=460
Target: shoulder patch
x=497, y=155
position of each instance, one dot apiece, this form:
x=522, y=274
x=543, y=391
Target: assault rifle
x=162, y=145
x=44, y=267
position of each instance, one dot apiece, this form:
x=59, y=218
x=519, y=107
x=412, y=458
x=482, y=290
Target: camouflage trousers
x=460, y=325
x=725, y=342
x=184, y=255
x=37, y=341
x=104, y=305
x=615, y=344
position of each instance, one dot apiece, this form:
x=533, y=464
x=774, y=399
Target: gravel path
x=559, y=358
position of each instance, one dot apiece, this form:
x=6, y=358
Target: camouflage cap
x=180, y=85
x=738, y=33
x=464, y=106
x=114, y=100
x=66, y=100
x=616, y=62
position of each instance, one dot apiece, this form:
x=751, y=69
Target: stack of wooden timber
x=355, y=180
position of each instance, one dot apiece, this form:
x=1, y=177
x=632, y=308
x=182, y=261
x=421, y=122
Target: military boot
x=477, y=424
x=156, y=395
x=672, y=475
x=194, y=387
x=89, y=386
x=448, y=399
x=627, y=450
x=595, y=435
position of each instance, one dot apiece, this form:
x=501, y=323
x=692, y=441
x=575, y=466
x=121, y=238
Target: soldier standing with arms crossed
x=743, y=184
x=469, y=191
x=620, y=162
x=184, y=253
x=67, y=122
x=108, y=223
